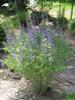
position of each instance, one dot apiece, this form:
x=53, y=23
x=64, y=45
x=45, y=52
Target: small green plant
x=37, y=61
x=71, y=27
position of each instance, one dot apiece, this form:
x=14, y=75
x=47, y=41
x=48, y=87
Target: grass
x=70, y=96
x=55, y=9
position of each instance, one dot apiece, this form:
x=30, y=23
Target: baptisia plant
x=38, y=60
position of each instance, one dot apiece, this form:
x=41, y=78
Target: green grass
x=70, y=97
x=67, y=9
x=55, y=9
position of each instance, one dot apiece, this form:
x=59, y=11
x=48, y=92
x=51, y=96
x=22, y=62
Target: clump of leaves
x=37, y=61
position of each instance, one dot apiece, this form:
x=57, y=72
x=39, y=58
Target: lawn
x=55, y=8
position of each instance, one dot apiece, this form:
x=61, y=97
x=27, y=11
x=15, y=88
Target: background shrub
x=71, y=27
x=36, y=17
x=11, y=8
x=63, y=22
x=2, y=35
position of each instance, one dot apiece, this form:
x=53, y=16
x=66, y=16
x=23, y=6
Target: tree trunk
x=59, y=9
x=21, y=6
x=72, y=7
x=63, y=10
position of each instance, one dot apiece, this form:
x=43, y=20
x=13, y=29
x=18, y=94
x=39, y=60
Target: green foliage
x=62, y=53
x=11, y=22
x=23, y=15
x=12, y=8
x=70, y=97
x=38, y=61
x=63, y=22
x=15, y=22
x=71, y=27
x=2, y=35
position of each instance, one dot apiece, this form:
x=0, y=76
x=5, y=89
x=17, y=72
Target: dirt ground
x=13, y=88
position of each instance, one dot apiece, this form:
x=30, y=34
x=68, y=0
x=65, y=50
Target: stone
x=16, y=77
x=70, y=67
x=1, y=72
